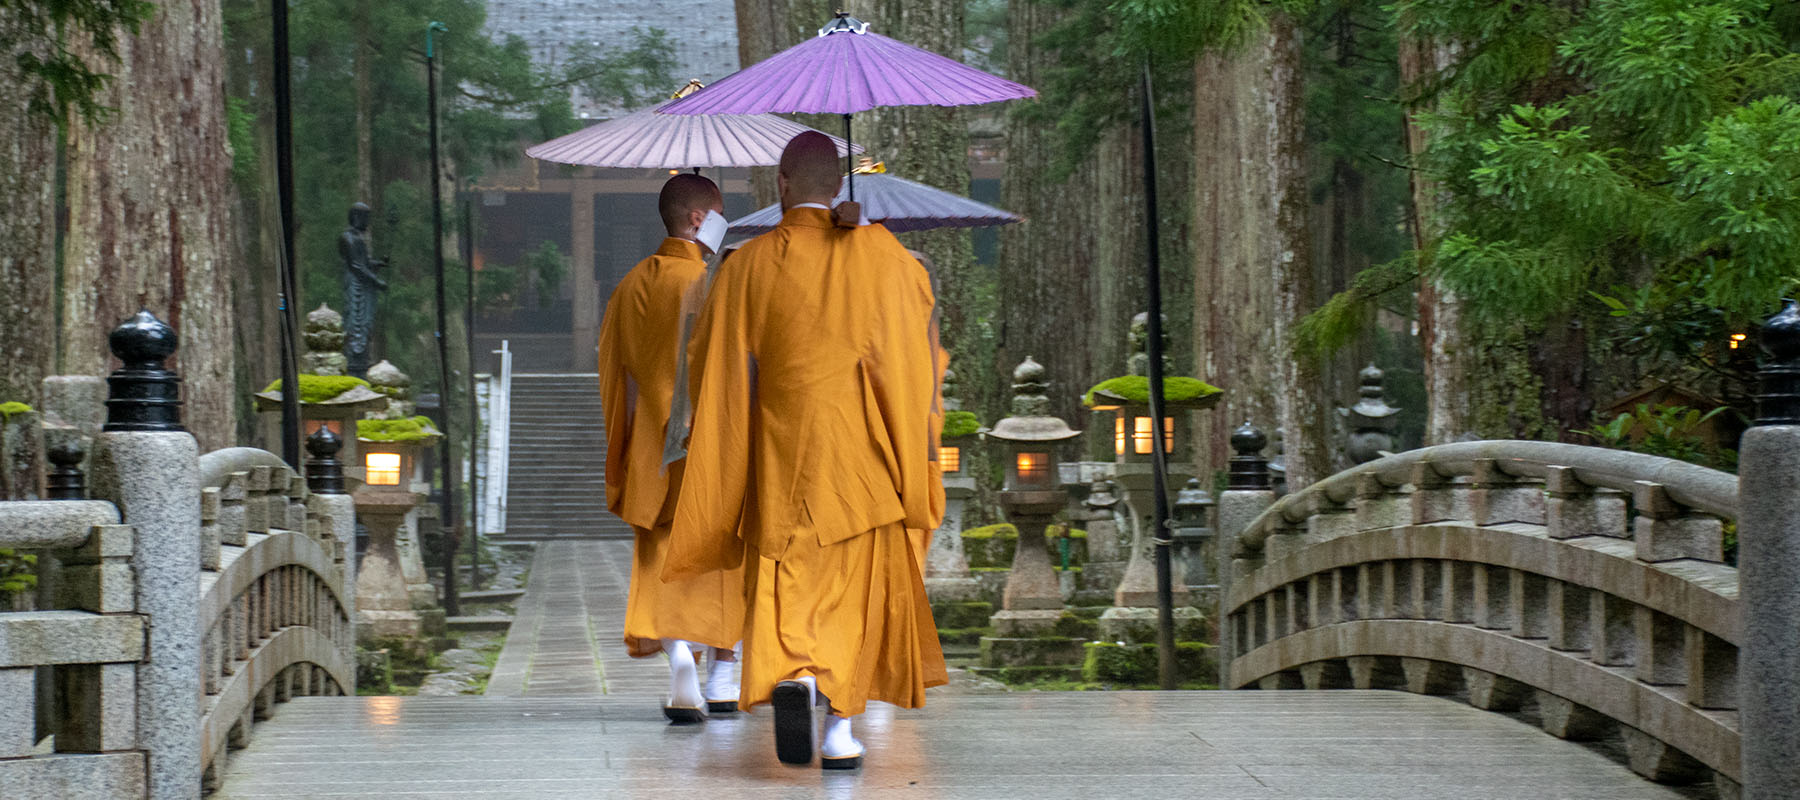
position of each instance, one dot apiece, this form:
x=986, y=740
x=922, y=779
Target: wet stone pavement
x=568, y=716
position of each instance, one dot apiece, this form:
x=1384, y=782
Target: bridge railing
x=85, y=642
x=277, y=591
x=177, y=606
x=1583, y=585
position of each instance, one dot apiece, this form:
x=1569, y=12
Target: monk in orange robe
x=640, y=341
x=814, y=375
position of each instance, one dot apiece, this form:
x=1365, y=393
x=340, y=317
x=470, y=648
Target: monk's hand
x=848, y=214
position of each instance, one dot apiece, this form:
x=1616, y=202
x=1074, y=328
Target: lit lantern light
x=1033, y=469
x=1141, y=443
x=949, y=459
x=1738, y=339
x=1029, y=438
x=383, y=469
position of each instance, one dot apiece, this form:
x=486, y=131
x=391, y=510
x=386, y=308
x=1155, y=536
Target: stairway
x=556, y=485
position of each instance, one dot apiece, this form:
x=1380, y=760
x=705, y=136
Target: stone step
x=493, y=623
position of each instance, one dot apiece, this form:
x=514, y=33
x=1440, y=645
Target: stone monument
x=362, y=287
x=1371, y=420
x=324, y=336
x=947, y=577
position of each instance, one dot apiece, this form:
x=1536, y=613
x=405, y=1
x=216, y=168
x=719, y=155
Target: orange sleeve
x=722, y=388
x=616, y=402
x=904, y=382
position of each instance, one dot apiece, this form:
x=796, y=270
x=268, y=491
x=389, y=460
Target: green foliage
x=18, y=572
x=1136, y=389
x=960, y=423
x=11, y=407
x=1670, y=431
x=1646, y=143
x=1350, y=313
x=40, y=35
x=416, y=429
x=320, y=388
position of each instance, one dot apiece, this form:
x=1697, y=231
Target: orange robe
x=814, y=372
x=640, y=342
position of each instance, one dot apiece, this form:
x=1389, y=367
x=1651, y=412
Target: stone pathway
x=568, y=716
x=566, y=634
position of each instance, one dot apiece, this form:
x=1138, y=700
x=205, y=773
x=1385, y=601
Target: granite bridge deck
x=567, y=716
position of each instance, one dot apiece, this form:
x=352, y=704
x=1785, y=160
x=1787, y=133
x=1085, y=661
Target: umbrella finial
x=693, y=85
x=842, y=22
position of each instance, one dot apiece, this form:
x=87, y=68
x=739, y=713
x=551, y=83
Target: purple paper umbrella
x=646, y=139
x=901, y=205
x=846, y=69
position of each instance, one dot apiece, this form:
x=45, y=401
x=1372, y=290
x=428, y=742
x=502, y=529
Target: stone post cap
x=143, y=395
x=1778, y=377
x=324, y=473
x=1247, y=440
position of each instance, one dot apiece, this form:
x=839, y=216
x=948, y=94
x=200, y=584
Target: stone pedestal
x=1137, y=589
x=1032, y=600
x=383, y=607
x=411, y=553
x=1107, y=550
x=947, y=578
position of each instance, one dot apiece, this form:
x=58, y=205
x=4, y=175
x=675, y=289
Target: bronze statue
x=361, y=288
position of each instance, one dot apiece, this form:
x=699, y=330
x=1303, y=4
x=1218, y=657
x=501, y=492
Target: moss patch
x=1106, y=662
x=1004, y=530
x=396, y=430
x=960, y=423
x=1136, y=389
x=12, y=407
x=320, y=388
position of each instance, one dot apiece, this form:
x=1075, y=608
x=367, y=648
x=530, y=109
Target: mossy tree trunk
x=27, y=237
x=151, y=212
x=930, y=145
x=1071, y=275
x=767, y=27
x=1254, y=271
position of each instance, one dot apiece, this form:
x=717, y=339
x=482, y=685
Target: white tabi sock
x=837, y=742
x=684, y=676
x=721, y=680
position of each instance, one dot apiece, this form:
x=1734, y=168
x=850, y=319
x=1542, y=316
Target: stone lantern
x=1032, y=600
x=947, y=577
x=1371, y=420
x=324, y=335
x=1195, y=546
x=1133, y=615
x=394, y=448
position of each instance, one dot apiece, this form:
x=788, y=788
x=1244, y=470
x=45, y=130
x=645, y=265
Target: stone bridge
x=1586, y=585
x=1585, y=590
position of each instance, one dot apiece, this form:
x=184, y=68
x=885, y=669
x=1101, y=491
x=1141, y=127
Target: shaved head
x=809, y=172
x=684, y=201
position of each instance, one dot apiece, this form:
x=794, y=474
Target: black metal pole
x=474, y=517
x=289, y=326
x=446, y=458
x=1165, y=600
x=849, y=165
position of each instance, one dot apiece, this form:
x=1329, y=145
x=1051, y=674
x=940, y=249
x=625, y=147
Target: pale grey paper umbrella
x=648, y=140
x=898, y=203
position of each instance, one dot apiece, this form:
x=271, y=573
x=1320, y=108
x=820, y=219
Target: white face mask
x=712, y=231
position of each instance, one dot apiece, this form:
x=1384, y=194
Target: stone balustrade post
x=1248, y=493
x=1769, y=570
x=148, y=465
x=334, y=508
